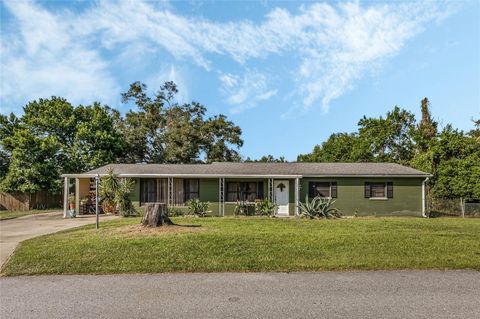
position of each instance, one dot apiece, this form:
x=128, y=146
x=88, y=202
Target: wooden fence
x=25, y=201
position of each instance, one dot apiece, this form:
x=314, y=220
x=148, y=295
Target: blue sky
x=289, y=73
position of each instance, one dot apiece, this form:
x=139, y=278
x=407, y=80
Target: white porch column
x=297, y=194
x=221, y=196
x=170, y=199
x=270, y=190
x=65, y=197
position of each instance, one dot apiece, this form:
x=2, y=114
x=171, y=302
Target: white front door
x=281, y=197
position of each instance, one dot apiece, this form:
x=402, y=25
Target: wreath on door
x=281, y=186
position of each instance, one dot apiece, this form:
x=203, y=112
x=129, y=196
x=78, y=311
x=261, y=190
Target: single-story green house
x=359, y=188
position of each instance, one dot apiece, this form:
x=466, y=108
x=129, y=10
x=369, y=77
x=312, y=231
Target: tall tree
x=97, y=140
x=163, y=131
x=453, y=159
x=426, y=130
x=389, y=139
x=222, y=139
x=143, y=129
x=475, y=133
x=32, y=166
x=380, y=139
x=53, y=137
x=339, y=147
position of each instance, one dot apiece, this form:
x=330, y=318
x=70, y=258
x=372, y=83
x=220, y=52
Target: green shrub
x=198, y=208
x=318, y=207
x=175, y=212
x=265, y=207
x=122, y=198
x=243, y=208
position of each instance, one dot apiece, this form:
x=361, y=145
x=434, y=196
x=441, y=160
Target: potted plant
x=71, y=201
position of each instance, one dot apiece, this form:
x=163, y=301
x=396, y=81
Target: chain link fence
x=455, y=207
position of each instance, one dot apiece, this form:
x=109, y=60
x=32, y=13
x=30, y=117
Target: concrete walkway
x=14, y=231
x=370, y=294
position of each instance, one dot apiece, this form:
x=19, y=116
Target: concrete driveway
x=14, y=231
x=371, y=294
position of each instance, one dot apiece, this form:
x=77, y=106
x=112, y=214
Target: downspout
x=424, y=201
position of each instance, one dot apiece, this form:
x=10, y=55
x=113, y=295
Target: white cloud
x=171, y=73
x=44, y=58
x=245, y=92
x=329, y=47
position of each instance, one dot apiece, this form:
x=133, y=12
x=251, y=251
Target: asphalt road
x=379, y=294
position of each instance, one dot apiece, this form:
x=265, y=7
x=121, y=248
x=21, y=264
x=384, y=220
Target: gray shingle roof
x=272, y=169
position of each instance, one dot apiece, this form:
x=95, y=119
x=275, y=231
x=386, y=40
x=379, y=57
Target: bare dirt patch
x=140, y=230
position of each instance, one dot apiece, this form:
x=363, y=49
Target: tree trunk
x=156, y=215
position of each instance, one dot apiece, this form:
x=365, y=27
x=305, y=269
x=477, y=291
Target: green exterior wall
x=135, y=196
x=407, y=195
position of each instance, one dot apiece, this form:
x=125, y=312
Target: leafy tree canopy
x=53, y=137
x=267, y=159
x=164, y=131
x=451, y=156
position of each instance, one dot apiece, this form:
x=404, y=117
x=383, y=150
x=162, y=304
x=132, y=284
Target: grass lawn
x=9, y=214
x=254, y=244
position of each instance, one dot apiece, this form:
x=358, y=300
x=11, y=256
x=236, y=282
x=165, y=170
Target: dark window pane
x=244, y=191
x=378, y=190
x=321, y=189
x=311, y=190
x=148, y=190
x=389, y=190
x=191, y=189
x=333, y=188
x=368, y=190
x=232, y=191
x=260, y=190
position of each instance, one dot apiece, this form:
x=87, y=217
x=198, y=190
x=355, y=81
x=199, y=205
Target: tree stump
x=156, y=215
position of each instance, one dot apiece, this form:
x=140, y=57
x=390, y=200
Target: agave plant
x=318, y=207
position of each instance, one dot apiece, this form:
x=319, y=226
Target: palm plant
x=109, y=186
x=318, y=207
x=115, y=194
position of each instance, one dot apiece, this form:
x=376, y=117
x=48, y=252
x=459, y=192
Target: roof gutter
x=187, y=175
x=87, y=175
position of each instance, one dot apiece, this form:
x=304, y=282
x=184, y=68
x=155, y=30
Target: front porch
x=223, y=193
